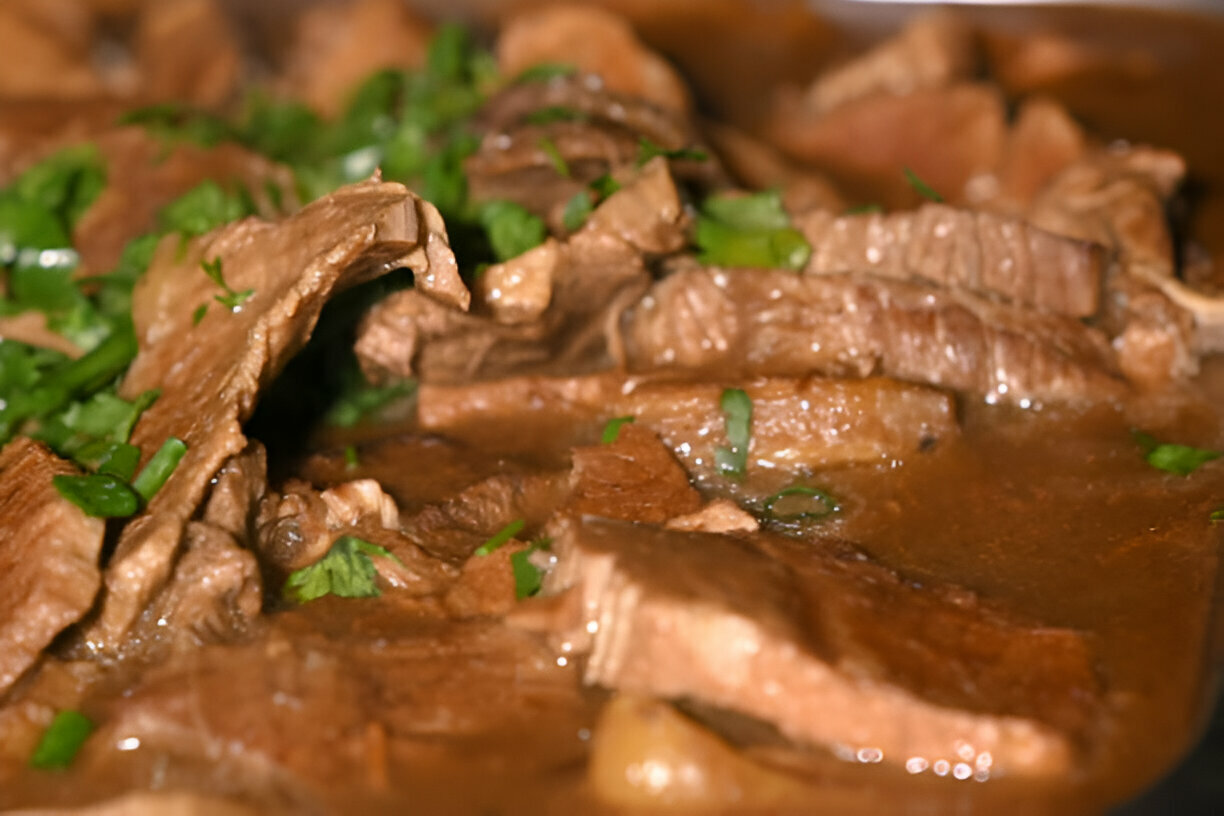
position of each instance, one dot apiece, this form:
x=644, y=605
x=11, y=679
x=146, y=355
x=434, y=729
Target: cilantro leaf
x=921, y=187
x=62, y=740
x=346, y=571
x=752, y=230
x=204, y=208
x=1172, y=458
x=512, y=230
x=577, y=210
x=612, y=429
x=528, y=578
x=647, y=150
x=737, y=410
x=229, y=298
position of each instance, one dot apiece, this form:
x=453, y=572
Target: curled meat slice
x=48, y=556
x=210, y=369
x=805, y=637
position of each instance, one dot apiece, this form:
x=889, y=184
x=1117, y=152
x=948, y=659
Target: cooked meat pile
x=508, y=435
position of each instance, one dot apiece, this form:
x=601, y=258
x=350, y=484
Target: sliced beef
x=452, y=529
x=773, y=323
x=209, y=370
x=1043, y=140
x=594, y=131
x=975, y=251
x=594, y=41
x=932, y=51
x=340, y=705
x=597, y=276
x=143, y=174
x=1116, y=198
x=188, y=51
x=633, y=478
x=49, y=552
x=797, y=424
x=947, y=136
x=809, y=641
x=335, y=46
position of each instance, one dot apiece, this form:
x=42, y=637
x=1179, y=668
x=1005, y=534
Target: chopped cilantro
x=545, y=71
x=159, y=467
x=62, y=740
x=198, y=314
x=357, y=399
x=351, y=459
x=528, y=578
x=921, y=187
x=751, y=230
x=177, y=122
x=647, y=150
x=612, y=429
x=204, y=208
x=64, y=183
x=799, y=502
x=554, y=156
x=102, y=495
x=346, y=571
x=737, y=410
x=577, y=210
x=1180, y=459
x=500, y=537
x=229, y=298
x=604, y=186
x=1217, y=515
x=511, y=228
x=555, y=113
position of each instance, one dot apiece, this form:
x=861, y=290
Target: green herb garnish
x=800, y=502
x=159, y=467
x=577, y=210
x=351, y=459
x=545, y=71
x=203, y=208
x=554, y=156
x=732, y=461
x=346, y=571
x=612, y=429
x=229, y=298
x=1180, y=459
x=528, y=578
x=102, y=495
x=1217, y=515
x=752, y=230
x=648, y=150
x=921, y=187
x=499, y=538
x=62, y=740
x=511, y=228
x=556, y=113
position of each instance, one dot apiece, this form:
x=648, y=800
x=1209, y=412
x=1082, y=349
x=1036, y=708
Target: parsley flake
x=528, y=576
x=229, y=299
x=62, y=740
x=612, y=429
x=1172, y=458
x=511, y=228
x=750, y=230
x=921, y=187
x=346, y=571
